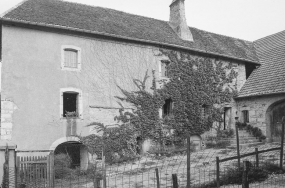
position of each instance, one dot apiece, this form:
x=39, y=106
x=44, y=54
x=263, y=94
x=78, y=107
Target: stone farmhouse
x=59, y=56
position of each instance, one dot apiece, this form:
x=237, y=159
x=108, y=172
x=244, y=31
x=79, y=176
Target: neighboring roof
x=103, y=21
x=269, y=78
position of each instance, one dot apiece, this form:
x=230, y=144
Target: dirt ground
x=141, y=173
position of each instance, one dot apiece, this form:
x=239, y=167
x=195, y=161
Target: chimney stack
x=178, y=21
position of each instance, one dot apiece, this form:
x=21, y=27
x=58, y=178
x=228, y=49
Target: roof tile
x=108, y=21
x=269, y=78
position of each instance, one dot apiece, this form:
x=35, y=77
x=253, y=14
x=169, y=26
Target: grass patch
x=234, y=175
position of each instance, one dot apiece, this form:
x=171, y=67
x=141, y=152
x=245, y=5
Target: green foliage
x=62, y=165
x=218, y=144
x=241, y=126
x=118, y=142
x=255, y=131
x=234, y=175
x=145, y=116
x=228, y=133
x=194, y=84
x=223, y=144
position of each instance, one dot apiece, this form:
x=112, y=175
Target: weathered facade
x=111, y=48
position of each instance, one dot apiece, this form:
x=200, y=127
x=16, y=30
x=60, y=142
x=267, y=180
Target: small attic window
x=249, y=68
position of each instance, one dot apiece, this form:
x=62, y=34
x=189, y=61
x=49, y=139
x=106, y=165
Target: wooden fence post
x=188, y=162
x=237, y=138
x=104, y=172
x=245, y=183
x=256, y=157
x=51, y=167
x=282, y=143
x=157, y=178
x=175, y=181
x=218, y=171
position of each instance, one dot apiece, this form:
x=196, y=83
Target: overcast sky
x=244, y=19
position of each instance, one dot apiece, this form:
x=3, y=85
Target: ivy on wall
x=194, y=84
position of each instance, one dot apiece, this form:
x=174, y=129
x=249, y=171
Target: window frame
x=79, y=101
x=205, y=111
x=169, y=108
x=245, y=115
x=164, y=74
x=71, y=48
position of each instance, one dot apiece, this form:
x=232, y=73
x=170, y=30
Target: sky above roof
x=244, y=19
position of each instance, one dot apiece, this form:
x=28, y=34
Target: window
x=205, y=110
x=71, y=58
x=164, y=66
x=249, y=68
x=167, y=108
x=71, y=101
x=245, y=116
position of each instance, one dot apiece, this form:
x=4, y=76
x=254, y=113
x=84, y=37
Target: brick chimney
x=178, y=21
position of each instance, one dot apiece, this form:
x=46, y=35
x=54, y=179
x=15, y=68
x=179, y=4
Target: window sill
x=71, y=69
x=65, y=118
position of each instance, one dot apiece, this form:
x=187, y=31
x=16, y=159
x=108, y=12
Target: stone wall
x=7, y=110
x=258, y=108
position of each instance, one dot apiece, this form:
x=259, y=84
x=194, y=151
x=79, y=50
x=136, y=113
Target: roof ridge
x=271, y=35
x=133, y=14
x=149, y=18
x=12, y=8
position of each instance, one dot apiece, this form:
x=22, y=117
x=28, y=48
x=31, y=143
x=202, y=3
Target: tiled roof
x=57, y=13
x=269, y=78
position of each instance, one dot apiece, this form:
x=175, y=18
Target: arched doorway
x=75, y=151
x=274, y=115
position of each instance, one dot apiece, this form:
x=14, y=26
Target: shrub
x=255, y=131
x=218, y=144
x=62, y=164
x=234, y=175
x=241, y=125
x=226, y=133
x=211, y=144
x=223, y=143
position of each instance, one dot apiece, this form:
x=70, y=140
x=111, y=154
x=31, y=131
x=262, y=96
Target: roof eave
x=259, y=95
x=123, y=37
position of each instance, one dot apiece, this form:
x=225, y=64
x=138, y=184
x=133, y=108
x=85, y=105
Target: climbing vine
x=198, y=87
x=197, y=84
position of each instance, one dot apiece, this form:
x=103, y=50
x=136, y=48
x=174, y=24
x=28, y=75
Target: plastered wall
x=32, y=78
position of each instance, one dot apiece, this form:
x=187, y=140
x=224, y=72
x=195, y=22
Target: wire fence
x=153, y=171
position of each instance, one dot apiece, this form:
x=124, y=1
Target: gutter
x=123, y=37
